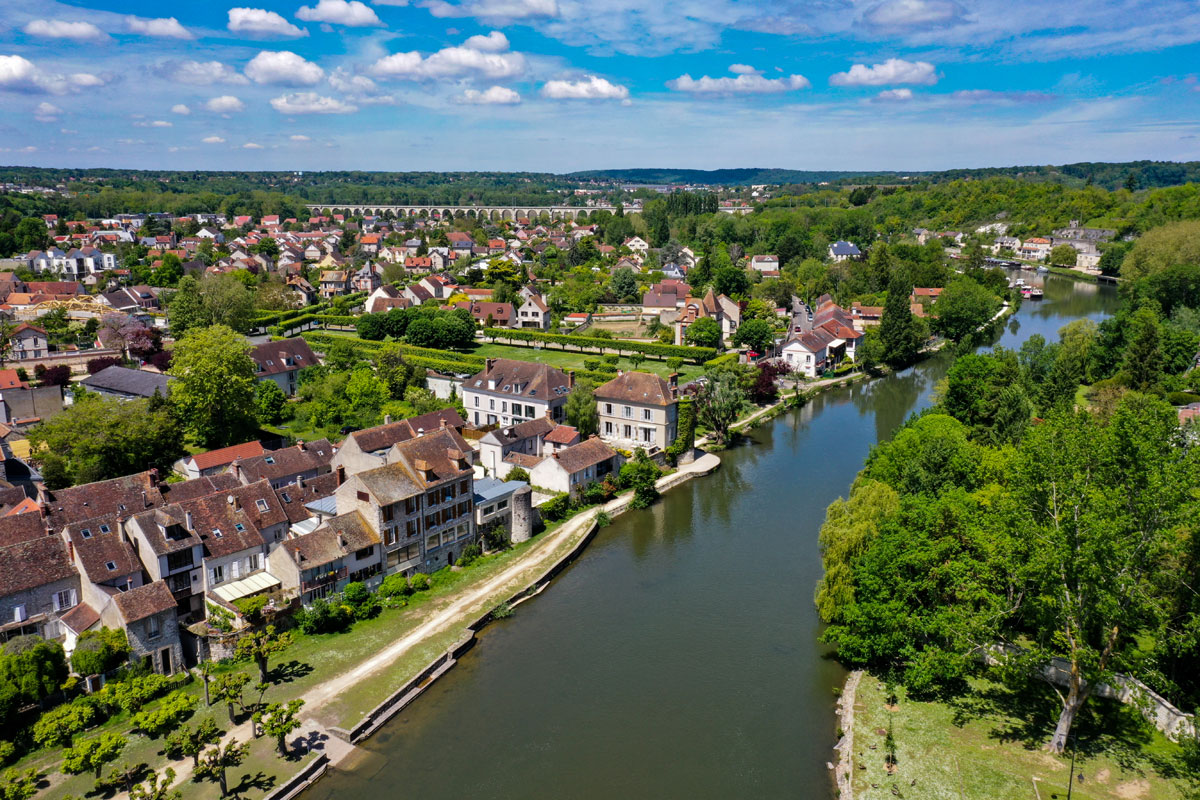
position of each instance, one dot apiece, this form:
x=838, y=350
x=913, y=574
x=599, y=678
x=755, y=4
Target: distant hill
x=1107, y=175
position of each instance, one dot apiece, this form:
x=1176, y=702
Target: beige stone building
x=638, y=409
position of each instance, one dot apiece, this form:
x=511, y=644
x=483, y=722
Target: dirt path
x=844, y=771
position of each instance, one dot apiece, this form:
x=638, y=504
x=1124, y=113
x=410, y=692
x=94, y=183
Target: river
x=679, y=656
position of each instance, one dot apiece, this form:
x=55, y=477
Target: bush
x=99, y=651
x=557, y=507
x=612, y=359
x=395, y=586
x=133, y=692
x=168, y=715
x=470, y=554
x=324, y=617
x=419, y=582
x=517, y=474
x=496, y=536
x=1182, y=398
x=55, y=376
x=363, y=604
x=97, y=364
x=602, y=343
x=251, y=607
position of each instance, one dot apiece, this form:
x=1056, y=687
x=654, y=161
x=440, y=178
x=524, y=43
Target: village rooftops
x=227, y=455
x=337, y=538
x=105, y=556
x=586, y=454
x=276, y=464
x=21, y=528
x=36, y=562
x=510, y=434
x=125, y=381
x=520, y=379
x=637, y=387
x=230, y=523
x=381, y=437
x=272, y=358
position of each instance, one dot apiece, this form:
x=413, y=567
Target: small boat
x=1036, y=294
x=1043, y=269
x=1027, y=292
x=1019, y=282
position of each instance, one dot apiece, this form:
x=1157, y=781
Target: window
x=504, y=406
x=608, y=408
x=646, y=414
x=431, y=499
x=86, y=533
x=179, y=560
x=285, y=497
x=412, y=505
x=503, y=504
x=608, y=429
x=389, y=513
x=431, y=542
x=488, y=510
x=366, y=552
x=239, y=527
x=412, y=527
x=491, y=404
x=262, y=504
x=111, y=566
x=628, y=431
x=627, y=412
x=462, y=486
x=216, y=532
x=64, y=599
x=269, y=459
x=153, y=627
x=234, y=572
x=19, y=613
x=216, y=575
x=252, y=563
x=477, y=402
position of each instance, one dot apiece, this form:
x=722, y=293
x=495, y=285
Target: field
x=987, y=745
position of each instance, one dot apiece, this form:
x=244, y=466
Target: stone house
x=282, y=361
x=571, y=469
x=638, y=409
x=508, y=392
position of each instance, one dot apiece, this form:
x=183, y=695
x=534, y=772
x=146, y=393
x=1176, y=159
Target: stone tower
x=522, y=514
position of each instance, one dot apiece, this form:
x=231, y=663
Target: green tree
x=850, y=527
x=624, y=285
x=213, y=300
x=191, y=740
x=394, y=370
x=756, y=334
x=372, y=327
x=1064, y=256
x=269, y=402
x=31, y=234
x=98, y=651
x=31, y=669
x=215, y=763
x=92, y=754
x=98, y=438
x=582, y=412
x=259, y=646
x=214, y=387
x=962, y=308
x=228, y=690
x=1142, y=366
x=16, y=785
x=900, y=333
x=166, y=715
x=280, y=720
x=156, y=787
x=719, y=403
x=704, y=332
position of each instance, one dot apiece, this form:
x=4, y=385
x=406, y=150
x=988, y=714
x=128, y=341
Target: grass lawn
x=574, y=360
x=987, y=745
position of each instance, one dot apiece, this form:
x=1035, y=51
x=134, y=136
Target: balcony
x=332, y=576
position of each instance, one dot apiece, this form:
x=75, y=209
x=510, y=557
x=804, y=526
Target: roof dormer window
x=111, y=565
x=216, y=532
x=105, y=529
x=262, y=504
x=86, y=533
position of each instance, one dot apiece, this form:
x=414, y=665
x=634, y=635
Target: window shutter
x=74, y=599
x=234, y=570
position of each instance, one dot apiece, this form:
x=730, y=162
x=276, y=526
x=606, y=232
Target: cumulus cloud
x=493, y=62
x=495, y=11
x=350, y=13
x=213, y=140
x=310, y=103
x=158, y=123
x=180, y=108
x=260, y=22
x=299, y=137
x=893, y=15
x=748, y=81
x=225, y=104
x=47, y=112
x=590, y=88
x=283, y=68
x=19, y=74
x=62, y=29
x=494, y=42
x=252, y=146
x=358, y=88
x=163, y=27
x=892, y=71
x=205, y=73
x=495, y=96
x=895, y=95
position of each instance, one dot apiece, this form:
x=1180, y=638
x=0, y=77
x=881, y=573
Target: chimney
x=341, y=540
x=300, y=483
x=235, y=502
x=571, y=379
x=341, y=475
x=673, y=380
x=236, y=469
x=300, y=445
x=187, y=521
x=488, y=364
x=145, y=501
x=70, y=549
x=387, y=419
x=122, y=530
x=43, y=509
x=443, y=425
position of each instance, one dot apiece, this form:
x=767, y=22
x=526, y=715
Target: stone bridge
x=495, y=213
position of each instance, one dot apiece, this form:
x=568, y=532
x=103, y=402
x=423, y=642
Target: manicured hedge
x=652, y=349
x=722, y=360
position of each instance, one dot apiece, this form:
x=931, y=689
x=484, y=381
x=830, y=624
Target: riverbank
x=988, y=744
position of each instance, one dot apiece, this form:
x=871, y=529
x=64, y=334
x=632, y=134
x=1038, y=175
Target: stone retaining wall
x=306, y=777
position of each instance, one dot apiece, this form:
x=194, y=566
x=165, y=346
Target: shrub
x=419, y=582
x=251, y=608
x=55, y=376
x=168, y=715
x=470, y=554
x=557, y=507
x=395, y=586
x=99, y=651
x=612, y=359
x=1182, y=398
x=324, y=617
x=7, y=751
x=97, y=364
x=496, y=536
x=363, y=604
x=517, y=474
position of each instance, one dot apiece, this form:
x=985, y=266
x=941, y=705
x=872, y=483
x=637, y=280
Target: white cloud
x=494, y=42
x=162, y=123
x=895, y=95
x=283, y=68
x=164, y=27
x=351, y=13
x=358, y=88
x=68, y=131
x=310, y=103
x=19, y=74
x=260, y=22
x=206, y=73
x=746, y=82
x=497, y=95
x=213, y=140
x=47, y=112
x=452, y=62
x=299, y=137
x=180, y=108
x=225, y=104
x=590, y=88
x=743, y=69
x=252, y=146
x=895, y=15
x=62, y=29
x=499, y=12
x=892, y=71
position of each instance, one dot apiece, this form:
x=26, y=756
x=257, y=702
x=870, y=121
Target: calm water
x=678, y=657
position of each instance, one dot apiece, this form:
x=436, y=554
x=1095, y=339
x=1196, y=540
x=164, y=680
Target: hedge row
x=276, y=317
x=695, y=354
x=722, y=360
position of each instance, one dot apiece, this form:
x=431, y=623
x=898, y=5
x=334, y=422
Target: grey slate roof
x=122, y=380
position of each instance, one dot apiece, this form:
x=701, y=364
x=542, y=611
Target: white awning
x=837, y=343
x=235, y=590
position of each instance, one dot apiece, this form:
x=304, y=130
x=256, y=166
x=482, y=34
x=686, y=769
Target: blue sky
x=560, y=85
